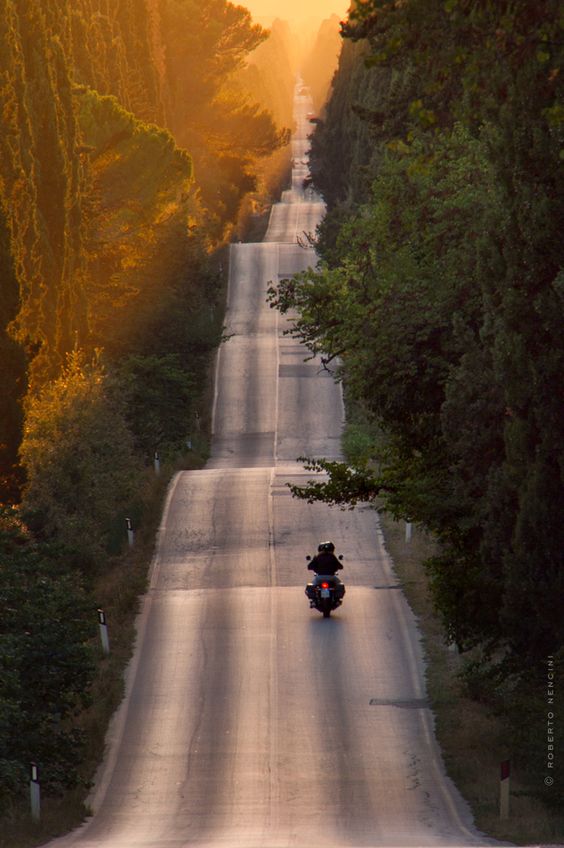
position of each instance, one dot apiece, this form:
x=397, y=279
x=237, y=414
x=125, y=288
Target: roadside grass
x=58, y=816
x=473, y=741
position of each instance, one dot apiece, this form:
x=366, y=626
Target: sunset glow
x=265, y=11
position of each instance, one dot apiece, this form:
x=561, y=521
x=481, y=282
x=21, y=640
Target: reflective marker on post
x=504, y=790
x=130, y=536
x=35, y=792
x=104, y=631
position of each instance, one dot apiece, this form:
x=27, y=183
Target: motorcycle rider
x=324, y=564
x=325, y=561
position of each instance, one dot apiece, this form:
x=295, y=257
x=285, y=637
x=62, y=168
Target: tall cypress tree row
x=443, y=283
x=112, y=51
x=18, y=187
x=42, y=190
x=51, y=170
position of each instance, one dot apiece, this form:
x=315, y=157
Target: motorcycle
x=325, y=592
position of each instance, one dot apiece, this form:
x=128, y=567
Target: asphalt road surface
x=250, y=721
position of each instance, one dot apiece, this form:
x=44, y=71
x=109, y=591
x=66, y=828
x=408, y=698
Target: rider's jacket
x=324, y=563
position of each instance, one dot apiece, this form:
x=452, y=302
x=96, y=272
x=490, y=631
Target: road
x=250, y=721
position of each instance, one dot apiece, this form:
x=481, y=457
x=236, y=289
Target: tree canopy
x=46, y=661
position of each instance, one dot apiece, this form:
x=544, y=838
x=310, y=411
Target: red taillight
x=325, y=585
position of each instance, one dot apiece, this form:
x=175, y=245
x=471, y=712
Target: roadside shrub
x=80, y=463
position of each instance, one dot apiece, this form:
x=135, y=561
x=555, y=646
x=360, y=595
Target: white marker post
x=130, y=534
x=157, y=464
x=35, y=793
x=104, y=631
x=408, y=531
x=504, y=790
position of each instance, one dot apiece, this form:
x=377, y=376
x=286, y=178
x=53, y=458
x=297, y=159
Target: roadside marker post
x=105, y=639
x=408, y=531
x=504, y=789
x=157, y=463
x=35, y=792
x=130, y=534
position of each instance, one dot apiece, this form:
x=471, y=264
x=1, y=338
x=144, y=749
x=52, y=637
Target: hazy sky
x=295, y=10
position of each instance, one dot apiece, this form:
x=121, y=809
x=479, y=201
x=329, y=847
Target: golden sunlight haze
x=296, y=10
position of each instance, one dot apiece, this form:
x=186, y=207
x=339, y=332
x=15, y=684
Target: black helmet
x=326, y=546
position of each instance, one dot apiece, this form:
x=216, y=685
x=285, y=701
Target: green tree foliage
x=149, y=384
x=161, y=374
x=344, y=144
x=441, y=292
x=78, y=454
x=46, y=663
